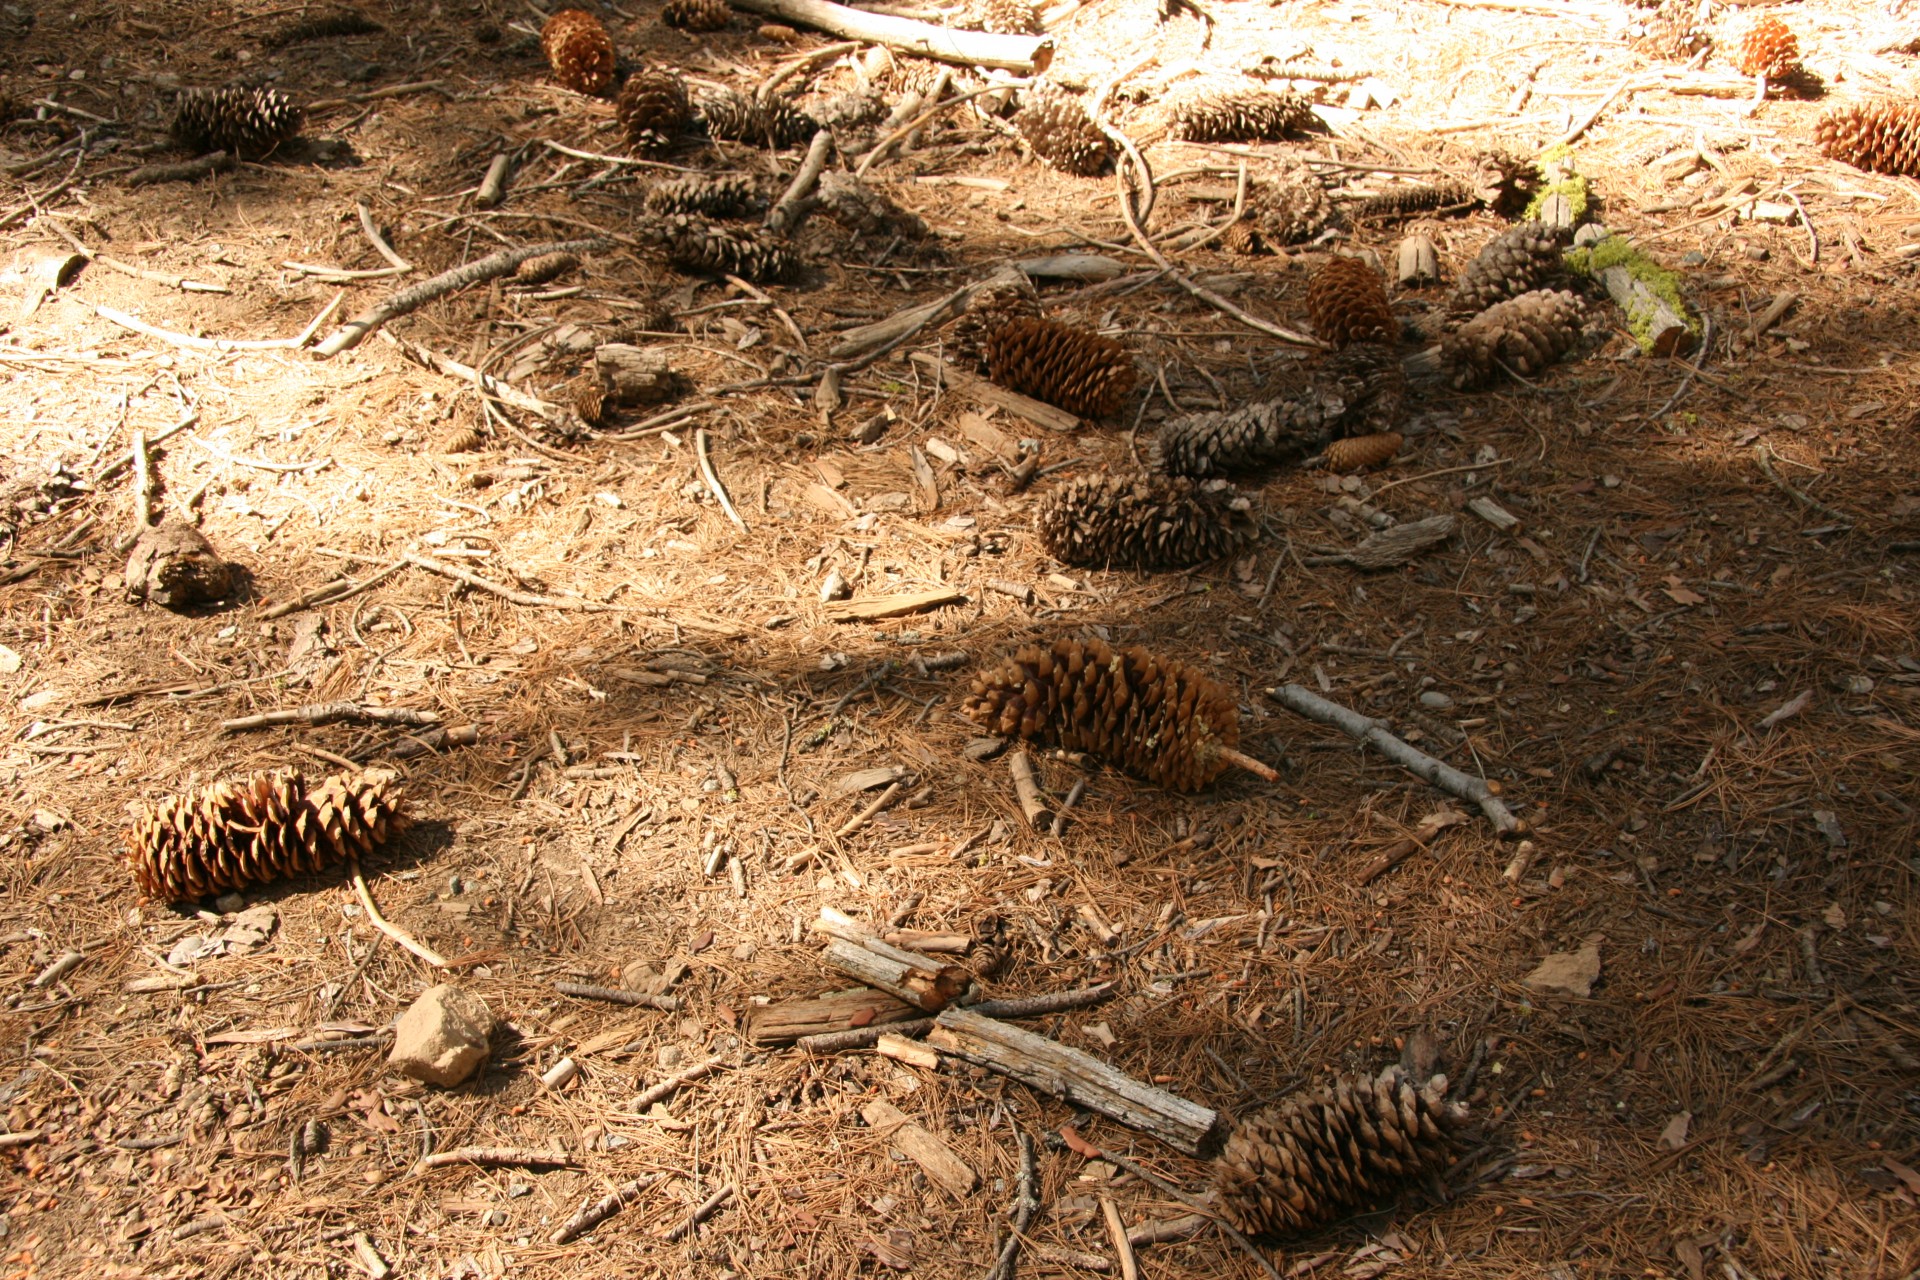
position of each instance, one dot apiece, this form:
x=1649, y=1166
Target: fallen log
x=1027, y=54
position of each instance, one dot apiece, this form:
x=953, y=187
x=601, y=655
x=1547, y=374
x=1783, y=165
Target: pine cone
x=1526, y=334
x=1370, y=383
x=1358, y=453
x=588, y=396
x=1073, y=369
x=1769, y=49
x=697, y=15
x=1293, y=208
x=1882, y=136
x=1235, y=114
x=1061, y=133
x=347, y=22
x=250, y=830
x=653, y=110
x=1142, y=522
x=579, y=50
x=732, y=116
x=1003, y=17
x=1347, y=302
x=1155, y=717
x=1504, y=183
x=245, y=122
x=1518, y=260
x=705, y=248
x=1338, y=1150
x=1007, y=297
x=1244, y=237
x=728, y=195
x=546, y=267
x=1404, y=202
x=1675, y=32
x=866, y=210
x=1252, y=437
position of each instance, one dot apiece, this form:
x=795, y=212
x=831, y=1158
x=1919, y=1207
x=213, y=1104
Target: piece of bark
x=1415, y=262
x=893, y=606
x=635, y=375
x=1025, y=54
x=1080, y=1078
x=911, y=1052
x=174, y=566
x=860, y=1007
x=920, y=1145
x=1026, y=789
x=1493, y=513
x=1038, y=412
x=929, y=991
x=1390, y=548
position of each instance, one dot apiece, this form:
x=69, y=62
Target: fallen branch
x=180, y=171
x=617, y=995
x=602, y=1209
x=1373, y=733
x=527, y=598
x=788, y=211
x=495, y=1158
x=320, y=713
x=387, y=927
x=1014, y=1007
x=194, y=343
x=504, y=392
x=412, y=298
x=718, y=490
x=707, y=1209
x=1028, y=54
x=1026, y=1204
x=125, y=460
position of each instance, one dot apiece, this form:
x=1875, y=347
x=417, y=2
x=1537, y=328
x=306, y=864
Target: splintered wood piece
x=925, y=983
x=894, y=606
x=1079, y=1078
x=635, y=375
x=840, y=1011
x=1038, y=412
x=911, y=1052
x=1241, y=760
x=955, y=1176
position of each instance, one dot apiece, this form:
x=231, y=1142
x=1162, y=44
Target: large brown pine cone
x=1058, y=129
x=1347, y=302
x=1518, y=260
x=1526, y=334
x=1769, y=49
x=244, y=121
x=734, y=117
x=726, y=195
x=1074, y=369
x=1006, y=297
x=1325, y=1154
x=1155, y=717
x=653, y=110
x=1255, y=436
x=250, y=830
x=1882, y=136
x=1142, y=522
x=1291, y=207
x=579, y=50
x=1236, y=113
x=706, y=248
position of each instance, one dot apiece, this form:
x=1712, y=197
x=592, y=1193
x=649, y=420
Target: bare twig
x=320, y=713
x=180, y=171
x=1117, y=1233
x=879, y=149
x=142, y=484
x=493, y=187
x=968, y=48
x=1026, y=1204
x=663, y=1088
x=126, y=459
x=1193, y=1202
x=495, y=1158
x=387, y=927
x=527, y=598
x=617, y=995
x=333, y=592
x=602, y=1209
x=379, y=243
x=193, y=343
x=1014, y=1007
x=714, y=486
x=787, y=211
x=1764, y=456
x=707, y=1209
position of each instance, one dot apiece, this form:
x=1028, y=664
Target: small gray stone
x=443, y=1036
x=229, y=903
x=1434, y=700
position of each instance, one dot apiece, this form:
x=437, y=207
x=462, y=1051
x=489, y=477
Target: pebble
x=230, y=903
x=1434, y=700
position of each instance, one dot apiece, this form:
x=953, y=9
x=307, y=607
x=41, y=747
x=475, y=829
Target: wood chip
x=954, y=1175
x=894, y=606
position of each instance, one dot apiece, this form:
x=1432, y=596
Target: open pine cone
x=579, y=50
x=697, y=15
x=1676, y=32
x=1882, y=136
x=1058, y=129
x=246, y=122
x=1155, y=717
x=1325, y=1154
x=1074, y=369
x=1265, y=434
x=1347, y=302
x=1292, y=207
x=1232, y=113
x=1503, y=182
x=1006, y=297
x=732, y=116
x=250, y=830
x=726, y=195
x=1526, y=334
x=706, y=248
x=1371, y=384
x=1769, y=49
x=1142, y=522
x=653, y=110
x=1518, y=260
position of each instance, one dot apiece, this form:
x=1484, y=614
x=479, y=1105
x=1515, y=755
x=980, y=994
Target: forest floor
x=1691, y=665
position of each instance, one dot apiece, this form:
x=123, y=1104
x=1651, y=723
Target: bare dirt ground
x=1692, y=666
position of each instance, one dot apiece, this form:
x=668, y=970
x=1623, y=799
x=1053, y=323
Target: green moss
x=1616, y=251
x=1573, y=187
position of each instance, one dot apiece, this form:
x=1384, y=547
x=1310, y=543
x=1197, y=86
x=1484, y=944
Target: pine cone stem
x=1241, y=760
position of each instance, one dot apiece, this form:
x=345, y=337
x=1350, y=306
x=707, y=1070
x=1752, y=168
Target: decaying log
x=635, y=375
x=921, y=981
x=1079, y=1078
x=1647, y=294
x=1025, y=54
x=860, y=1007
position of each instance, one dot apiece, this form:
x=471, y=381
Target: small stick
x=602, y=1209
x=527, y=598
x=504, y=392
x=1241, y=760
x=661, y=1089
x=493, y=187
x=1026, y=1204
x=615, y=995
x=1014, y=1007
x=125, y=460
x=495, y=1158
x=320, y=713
x=1517, y=866
x=1373, y=733
x=63, y=965
x=25, y=1137
x=193, y=343
x=142, y=485
x=1117, y=1232
x=1026, y=788
x=1764, y=455
x=700, y=1215
x=180, y=171
x=333, y=592
x=885, y=144
x=1074, y=793
x=1387, y=859
x=380, y=245
x=1026, y=54
x=1194, y=1202
x=786, y=213
x=714, y=486
x=387, y=927
x=861, y=818
x=414, y=297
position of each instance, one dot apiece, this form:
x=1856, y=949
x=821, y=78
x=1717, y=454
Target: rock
x=230, y=903
x=175, y=567
x=1567, y=973
x=443, y=1036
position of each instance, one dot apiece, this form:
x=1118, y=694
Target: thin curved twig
x=387, y=927
x=885, y=144
x=714, y=486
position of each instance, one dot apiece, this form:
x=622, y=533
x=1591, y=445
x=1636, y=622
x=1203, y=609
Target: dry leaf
x=1071, y=1136
x=1679, y=593
x=1674, y=1136
x=1567, y=973
x=1907, y=1176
